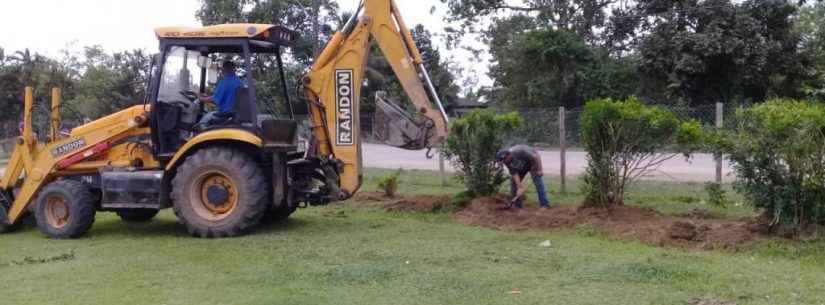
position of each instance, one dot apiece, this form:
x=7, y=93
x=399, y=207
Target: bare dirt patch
x=709, y=301
x=372, y=197
x=420, y=204
x=624, y=222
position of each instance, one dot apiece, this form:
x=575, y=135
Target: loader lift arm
x=332, y=89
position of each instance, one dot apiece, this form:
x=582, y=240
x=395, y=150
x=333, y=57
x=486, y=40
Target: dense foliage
x=471, y=147
x=778, y=155
x=811, y=26
x=685, y=52
x=624, y=140
x=563, y=68
x=94, y=83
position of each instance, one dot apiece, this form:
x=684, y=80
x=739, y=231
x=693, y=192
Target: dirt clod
x=709, y=301
x=420, y=204
x=371, y=196
x=682, y=230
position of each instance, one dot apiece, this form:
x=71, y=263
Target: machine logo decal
x=344, y=105
x=68, y=147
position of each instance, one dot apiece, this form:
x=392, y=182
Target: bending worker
x=223, y=97
x=520, y=160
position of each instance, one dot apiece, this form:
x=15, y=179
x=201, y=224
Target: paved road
x=700, y=168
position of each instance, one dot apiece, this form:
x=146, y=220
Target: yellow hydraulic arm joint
x=333, y=85
x=33, y=164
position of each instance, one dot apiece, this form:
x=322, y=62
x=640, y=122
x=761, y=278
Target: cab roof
x=254, y=31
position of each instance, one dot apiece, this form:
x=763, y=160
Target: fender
x=226, y=134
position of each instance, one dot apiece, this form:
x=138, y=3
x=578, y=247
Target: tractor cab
x=188, y=66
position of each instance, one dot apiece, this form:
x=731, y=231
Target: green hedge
x=625, y=140
x=778, y=154
x=472, y=144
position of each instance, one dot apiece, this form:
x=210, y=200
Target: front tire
x=5, y=227
x=65, y=209
x=137, y=215
x=217, y=192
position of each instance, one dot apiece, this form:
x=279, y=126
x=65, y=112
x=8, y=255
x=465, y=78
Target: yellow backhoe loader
x=221, y=179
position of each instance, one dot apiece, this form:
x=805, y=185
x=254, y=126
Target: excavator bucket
x=395, y=127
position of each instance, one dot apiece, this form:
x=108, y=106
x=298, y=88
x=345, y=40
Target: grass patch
x=345, y=254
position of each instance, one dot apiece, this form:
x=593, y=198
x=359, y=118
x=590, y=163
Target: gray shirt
x=524, y=159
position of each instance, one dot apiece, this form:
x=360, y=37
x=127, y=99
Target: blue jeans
x=214, y=117
x=540, y=190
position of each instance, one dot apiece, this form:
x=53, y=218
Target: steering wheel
x=190, y=95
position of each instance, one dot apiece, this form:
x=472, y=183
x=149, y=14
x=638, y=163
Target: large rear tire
x=218, y=192
x=137, y=215
x=5, y=205
x=65, y=209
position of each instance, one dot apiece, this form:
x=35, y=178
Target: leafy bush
x=625, y=140
x=716, y=195
x=389, y=183
x=472, y=145
x=778, y=154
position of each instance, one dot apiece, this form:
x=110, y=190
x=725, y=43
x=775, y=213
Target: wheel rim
x=212, y=209
x=57, y=211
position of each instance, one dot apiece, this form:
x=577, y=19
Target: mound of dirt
x=371, y=196
x=624, y=222
x=420, y=204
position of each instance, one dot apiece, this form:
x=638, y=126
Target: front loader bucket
x=395, y=127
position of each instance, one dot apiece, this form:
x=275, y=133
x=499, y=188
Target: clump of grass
x=389, y=183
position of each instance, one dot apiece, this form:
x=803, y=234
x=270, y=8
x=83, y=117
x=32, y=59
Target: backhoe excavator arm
x=333, y=87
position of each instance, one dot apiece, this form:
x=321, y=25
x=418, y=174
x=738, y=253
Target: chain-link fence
x=542, y=129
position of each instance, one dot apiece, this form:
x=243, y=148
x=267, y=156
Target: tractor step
x=131, y=189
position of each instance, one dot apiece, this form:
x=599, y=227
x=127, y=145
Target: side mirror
x=204, y=62
x=157, y=59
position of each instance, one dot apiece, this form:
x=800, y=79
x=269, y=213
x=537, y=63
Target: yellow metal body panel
x=214, y=135
x=348, y=52
x=248, y=30
x=34, y=164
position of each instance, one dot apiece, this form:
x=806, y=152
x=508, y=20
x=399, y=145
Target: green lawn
x=347, y=254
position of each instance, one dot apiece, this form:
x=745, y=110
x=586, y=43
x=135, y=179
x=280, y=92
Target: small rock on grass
x=545, y=244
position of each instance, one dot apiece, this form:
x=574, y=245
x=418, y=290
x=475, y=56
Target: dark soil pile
x=371, y=197
x=624, y=222
x=420, y=204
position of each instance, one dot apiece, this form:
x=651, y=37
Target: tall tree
x=718, y=51
x=313, y=17
x=551, y=68
x=584, y=17
x=811, y=26
x=109, y=82
x=380, y=76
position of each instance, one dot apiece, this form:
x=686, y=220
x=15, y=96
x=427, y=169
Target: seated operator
x=223, y=97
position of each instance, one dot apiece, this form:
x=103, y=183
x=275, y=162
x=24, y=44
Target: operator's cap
x=502, y=154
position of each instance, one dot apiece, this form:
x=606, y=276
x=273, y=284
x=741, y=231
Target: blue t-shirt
x=224, y=95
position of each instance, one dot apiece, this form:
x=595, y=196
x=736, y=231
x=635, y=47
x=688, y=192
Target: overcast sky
x=47, y=26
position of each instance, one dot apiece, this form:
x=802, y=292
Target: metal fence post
x=719, y=111
x=441, y=168
x=562, y=151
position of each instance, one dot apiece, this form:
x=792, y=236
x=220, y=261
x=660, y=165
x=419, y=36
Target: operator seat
x=243, y=115
x=246, y=112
